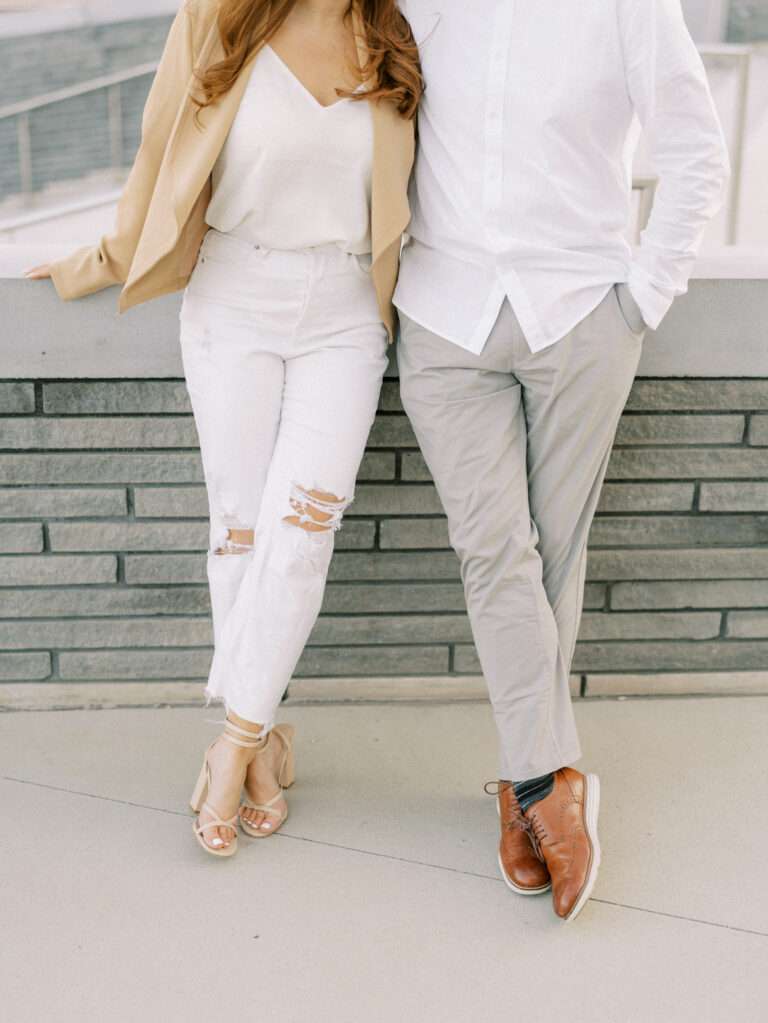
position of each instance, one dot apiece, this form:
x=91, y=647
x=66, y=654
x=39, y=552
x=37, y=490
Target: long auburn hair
x=393, y=66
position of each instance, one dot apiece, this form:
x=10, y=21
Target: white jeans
x=284, y=353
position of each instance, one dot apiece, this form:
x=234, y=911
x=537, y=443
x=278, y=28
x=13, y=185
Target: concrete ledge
x=713, y=683
x=360, y=690
x=440, y=689
x=719, y=329
x=112, y=695
x=98, y=696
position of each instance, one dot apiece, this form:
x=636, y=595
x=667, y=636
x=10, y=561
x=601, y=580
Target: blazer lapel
x=197, y=142
x=393, y=146
x=393, y=150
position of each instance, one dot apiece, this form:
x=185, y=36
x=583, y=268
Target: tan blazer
x=160, y=221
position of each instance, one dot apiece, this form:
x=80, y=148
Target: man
x=523, y=311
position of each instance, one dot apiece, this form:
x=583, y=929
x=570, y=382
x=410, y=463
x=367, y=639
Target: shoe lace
x=537, y=833
x=532, y=826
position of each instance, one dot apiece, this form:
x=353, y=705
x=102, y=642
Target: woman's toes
x=271, y=820
x=221, y=838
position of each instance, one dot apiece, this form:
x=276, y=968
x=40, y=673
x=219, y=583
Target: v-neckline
x=307, y=92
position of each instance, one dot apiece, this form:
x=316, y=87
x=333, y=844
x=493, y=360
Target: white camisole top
x=294, y=174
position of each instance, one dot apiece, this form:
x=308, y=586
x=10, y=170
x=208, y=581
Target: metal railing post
x=739, y=57
x=24, y=146
x=115, y=114
x=742, y=107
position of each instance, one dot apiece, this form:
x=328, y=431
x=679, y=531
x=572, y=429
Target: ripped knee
x=315, y=511
x=236, y=541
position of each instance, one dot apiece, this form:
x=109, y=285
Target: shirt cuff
x=653, y=303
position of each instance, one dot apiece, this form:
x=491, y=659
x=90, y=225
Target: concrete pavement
x=381, y=900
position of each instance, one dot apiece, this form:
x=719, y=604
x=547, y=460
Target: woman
x=270, y=184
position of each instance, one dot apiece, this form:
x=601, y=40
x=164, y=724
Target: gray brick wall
x=103, y=532
x=70, y=139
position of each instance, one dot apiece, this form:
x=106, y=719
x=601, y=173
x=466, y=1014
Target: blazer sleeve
x=92, y=268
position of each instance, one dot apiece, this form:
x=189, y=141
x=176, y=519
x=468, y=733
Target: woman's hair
x=393, y=67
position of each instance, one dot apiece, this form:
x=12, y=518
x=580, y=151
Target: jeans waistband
x=227, y=246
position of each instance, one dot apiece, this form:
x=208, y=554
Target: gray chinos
x=518, y=445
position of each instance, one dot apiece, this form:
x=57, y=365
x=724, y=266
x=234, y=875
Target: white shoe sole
x=591, y=813
x=511, y=884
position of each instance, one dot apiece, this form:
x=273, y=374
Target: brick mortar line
x=39, y=411
x=377, y=481
x=168, y=379
x=134, y=450
x=734, y=642
x=303, y=701
x=116, y=586
x=378, y=517
x=375, y=614
x=351, y=616
x=383, y=556
x=746, y=437
x=670, y=413
x=373, y=448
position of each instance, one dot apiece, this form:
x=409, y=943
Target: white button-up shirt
x=522, y=186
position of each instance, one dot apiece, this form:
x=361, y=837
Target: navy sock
x=529, y=792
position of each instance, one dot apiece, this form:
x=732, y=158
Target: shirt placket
x=496, y=89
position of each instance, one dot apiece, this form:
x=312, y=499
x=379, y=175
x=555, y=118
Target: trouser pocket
x=629, y=310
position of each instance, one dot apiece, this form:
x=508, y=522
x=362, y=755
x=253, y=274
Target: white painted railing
x=739, y=59
x=736, y=60
x=112, y=83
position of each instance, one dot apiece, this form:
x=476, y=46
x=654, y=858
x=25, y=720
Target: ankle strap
x=242, y=737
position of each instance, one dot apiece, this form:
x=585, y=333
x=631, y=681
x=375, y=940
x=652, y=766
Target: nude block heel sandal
x=239, y=737
x=286, y=776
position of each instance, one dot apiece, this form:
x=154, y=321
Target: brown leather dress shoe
x=563, y=827
x=521, y=867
